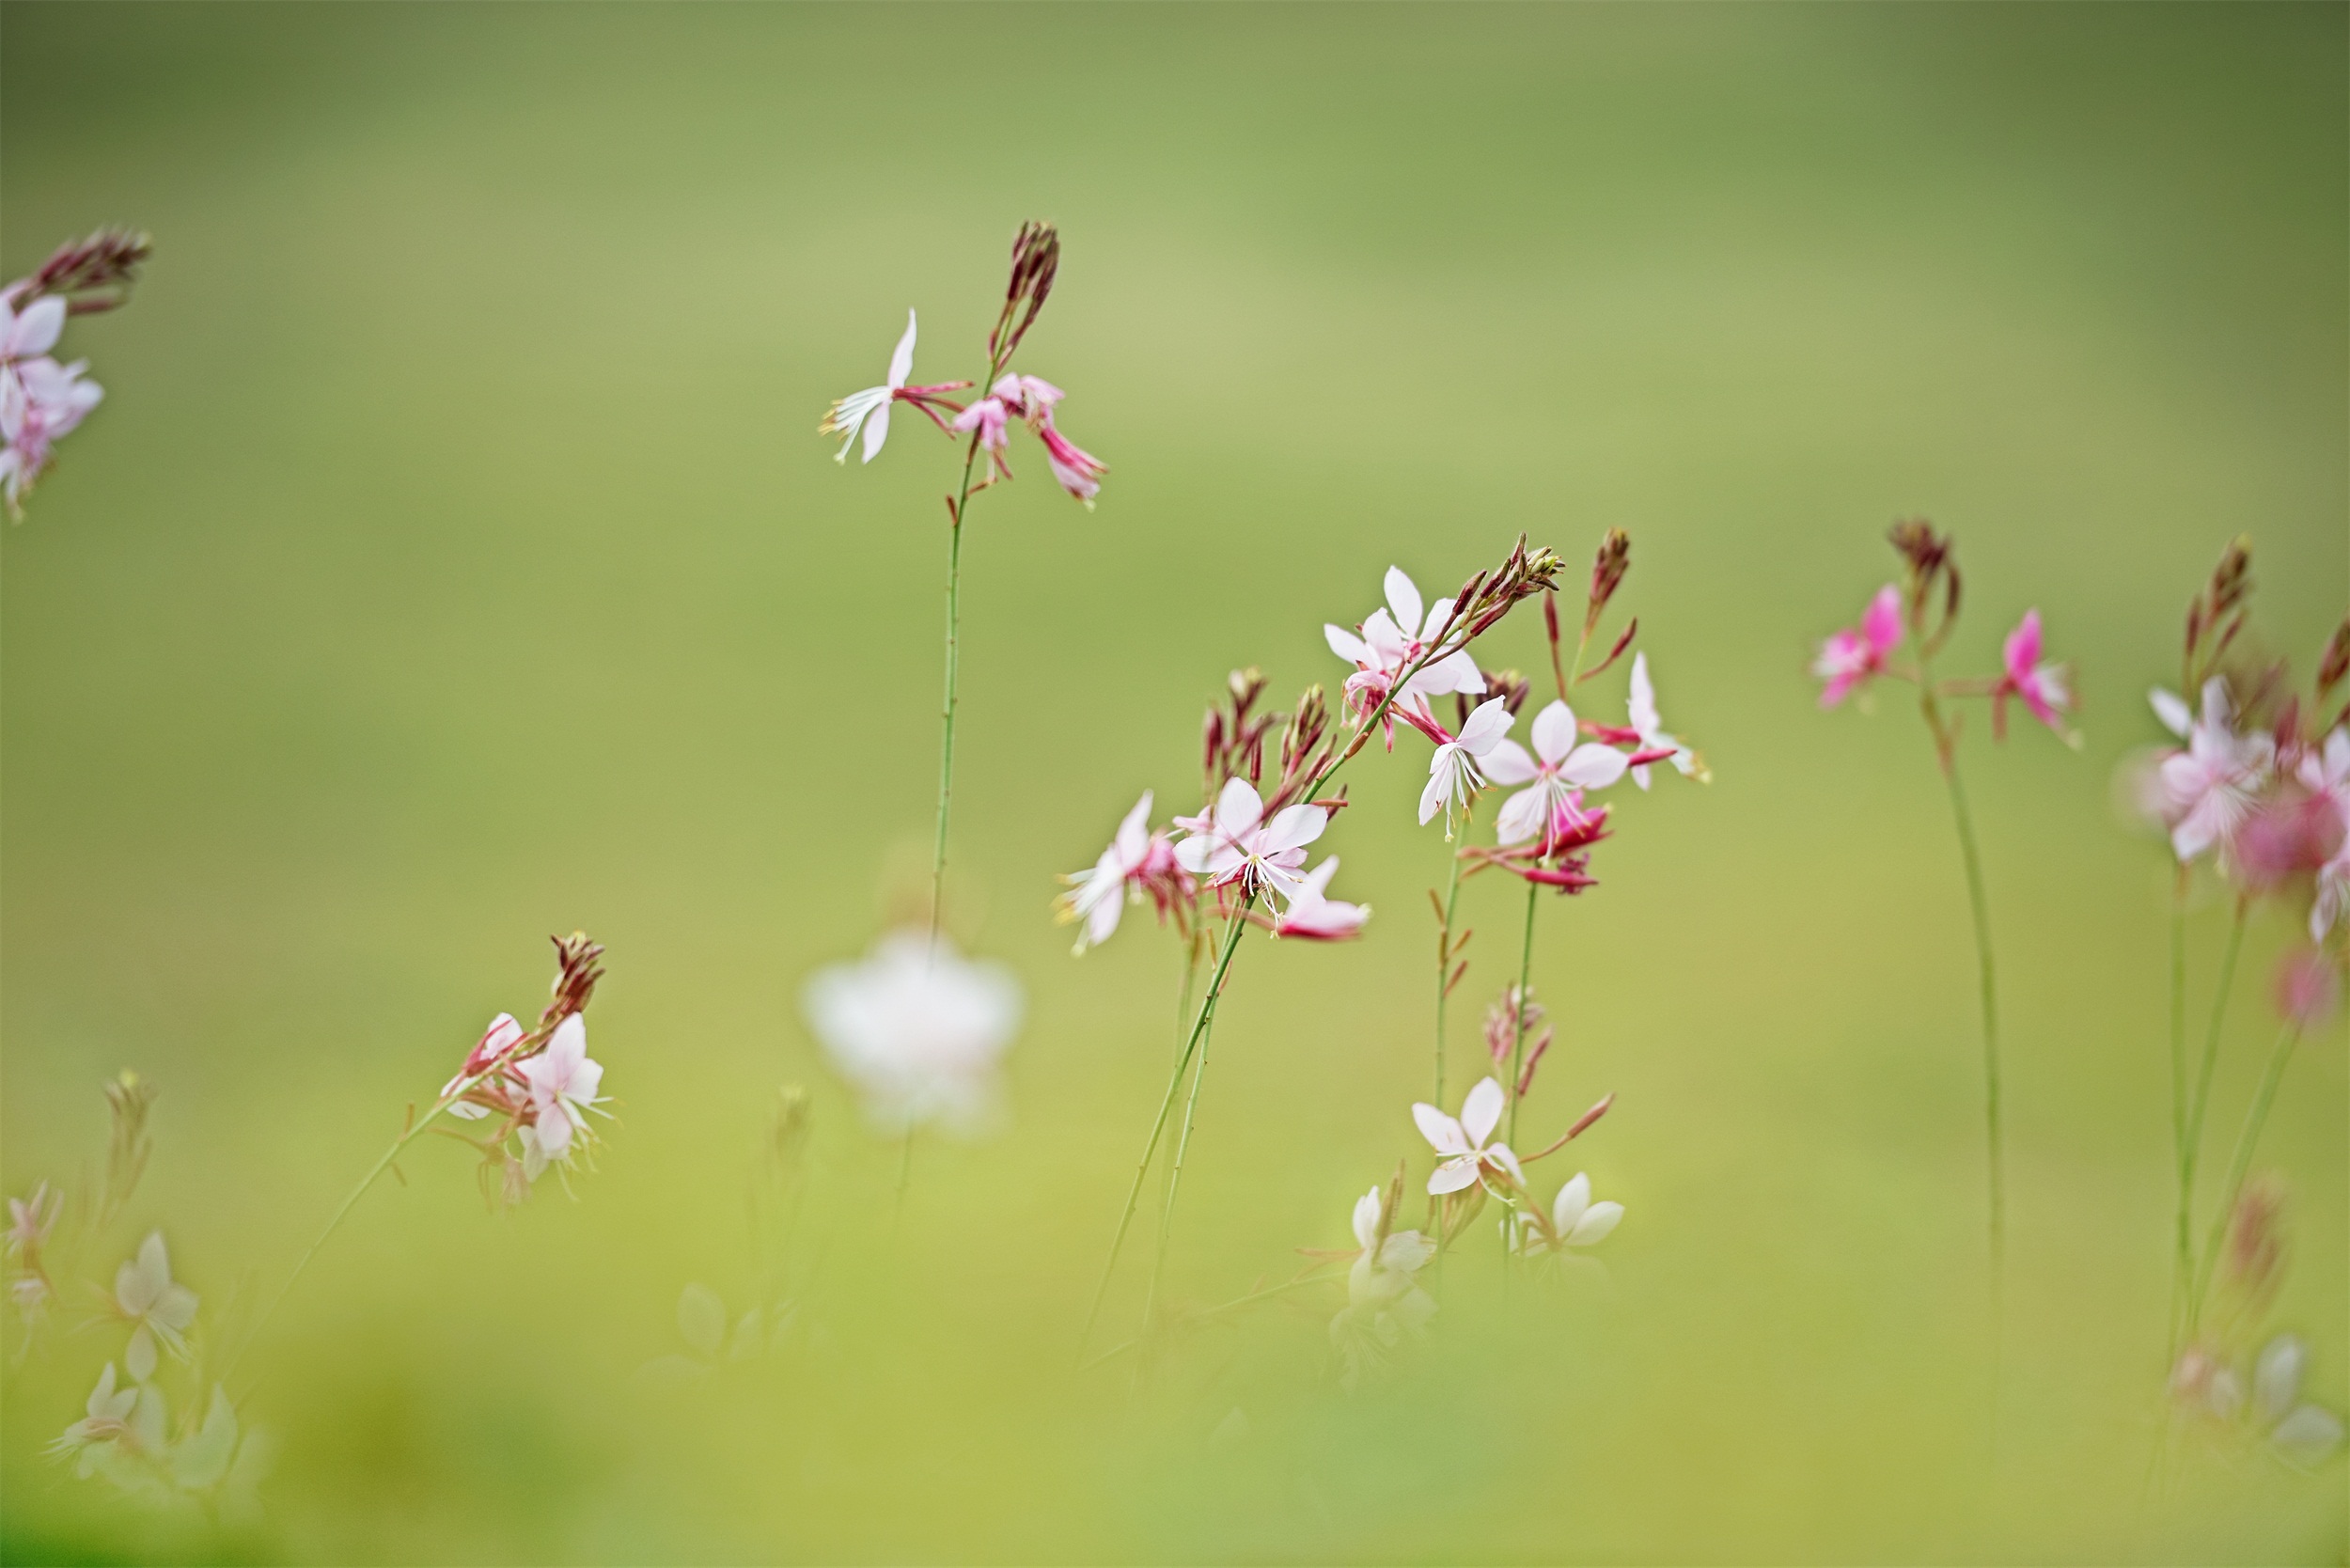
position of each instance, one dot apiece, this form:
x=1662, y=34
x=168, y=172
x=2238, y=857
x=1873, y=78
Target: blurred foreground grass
x=454, y=562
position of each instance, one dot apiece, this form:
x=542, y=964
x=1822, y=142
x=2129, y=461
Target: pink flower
x=2207, y=790
x=1234, y=846
x=2041, y=686
x=989, y=418
x=502, y=1036
x=562, y=1082
x=2307, y=989
x=1389, y=645
x=1453, y=774
x=1032, y=398
x=1079, y=471
x=31, y=331
x=1096, y=898
x=1850, y=658
x=1564, y=771
x=1320, y=918
x=1468, y=1157
x=40, y=401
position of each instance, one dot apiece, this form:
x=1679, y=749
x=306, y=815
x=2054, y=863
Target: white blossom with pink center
x=1466, y=1158
x=1556, y=774
x=1233, y=844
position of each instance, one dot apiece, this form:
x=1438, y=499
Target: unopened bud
x=2335, y=662
x=1035, y=263
x=108, y=259
x=1607, y=571
x=2307, y=989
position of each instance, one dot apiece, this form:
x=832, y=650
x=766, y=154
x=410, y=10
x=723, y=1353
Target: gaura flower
x=1391, y=638
x=1076, y=470
x=916, y=1029
x=106, y=1421
x=869, y=409
x=2302, y=1434
x=1452, y=772
x=2042, y=687
x=562, y=1081
x=1096, y=898
x=1642, y=703
x=32, y=331
x=1383, y=1301
x=1320, y=918
x=1564, y=770
x=29, y=1220
x=1574, y=1221
x=1850, y=658
x=1468, y=1157
x=1234, y=846
x=157, y=1309
x=2208, y=789
x=502, y=1036
x=41, y=401
x=989, y=418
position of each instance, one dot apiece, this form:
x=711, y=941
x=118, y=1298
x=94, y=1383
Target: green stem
x=2245, y=1142
x=1158, y=1127
x=2201, y=1105
x=1517, y=1024
x=2183, y=1268
x=954, y=612
x=1982, y=909
x=1444, y=967
x=1175, y=1175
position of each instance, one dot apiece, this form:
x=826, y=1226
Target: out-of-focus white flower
x=1234, y=844
x=1573, y=1223
x=868, y=410
x=1468, y=1157
x=1318, y=917
x=1641, y=704
x=2303, y=1433
x=1391, y=639
x=2325, y=771
x=154, y=1306
x=1383, y=1301
x=1563, y=771
x=1452, y=771
x=917, y=1029
x=106, y=1421
x=2208, y=789
x=562, y=1081
x=32, y=331
x=1096, y=898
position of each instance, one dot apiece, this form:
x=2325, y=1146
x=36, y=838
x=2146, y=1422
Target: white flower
x=1390, y=641
x=1096, y=898
x=1383, y=1301
x=1314, y=915
x=1562, y=769
x=916, y=1029
x=31, y=331
x=41, y=401
x=1468, y=1157
x=146, y=1297
x=1574, y=1222
x=2207, y=789
x=1453, y=774
x=2303, y=1433
x=869, y=409
x=1234, y=844
x=562, y=1081
x=1641, y=704
x=108, y=1420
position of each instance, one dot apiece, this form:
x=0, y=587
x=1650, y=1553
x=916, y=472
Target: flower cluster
x=40, y=399
x=534, y=1088
x=2236, y=1393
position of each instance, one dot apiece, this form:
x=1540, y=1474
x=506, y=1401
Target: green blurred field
x=454, y=562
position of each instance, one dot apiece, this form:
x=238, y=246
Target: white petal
x=1440, y=615
x=1593, y=766
x=1521, y=816
x=1506, y=762
x=1571, y=1200
x=36, y=330
x=1346, y=644
x=1293, y=827
x=1443, y=1134
x=902, y=359
x=2171, y=709
x=1596, y=1222
x=1642, y=703
x=1487, y=724
x=1193, y=854
x=1554, y=733
x=1404, y=598
x=2276, y=1378
x=1481, y=1113
x=1238, y=807
x=876, y=430
x=1452, y=1176
x=2309, y=1434
x=1367, y=1218
x=1432, y=799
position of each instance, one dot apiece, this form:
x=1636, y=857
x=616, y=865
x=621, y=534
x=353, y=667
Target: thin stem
x=1249, y=1300
x=1517, y=1024
x=1444, y=962
x=2201, y=1105
x=1980, y=907
x=954, y=612
x=2245, y=1142
x=2183, y=1270
x=1158, y=1127
x=1175, y=1175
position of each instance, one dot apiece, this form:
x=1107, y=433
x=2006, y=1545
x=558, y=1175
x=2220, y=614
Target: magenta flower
x=1317, y=918
x=1033, y=399
x=1850, y=658
x=1234, y=846
x=2041, y=686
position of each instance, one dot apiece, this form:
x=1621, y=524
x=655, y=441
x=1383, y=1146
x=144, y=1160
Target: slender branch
x=954, y=610
x=1175, y=1175
x=2240, y=1163
x=1443, y=955
x=1517, y=1023
x=2201, y=1105
x=2182, y=1273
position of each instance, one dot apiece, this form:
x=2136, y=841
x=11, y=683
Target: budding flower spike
x=1850, y=659
x=1467, y=1158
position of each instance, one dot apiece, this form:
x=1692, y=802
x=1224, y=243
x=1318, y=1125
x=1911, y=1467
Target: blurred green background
x=454, y=562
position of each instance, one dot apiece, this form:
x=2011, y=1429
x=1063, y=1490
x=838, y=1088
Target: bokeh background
x=454, y=562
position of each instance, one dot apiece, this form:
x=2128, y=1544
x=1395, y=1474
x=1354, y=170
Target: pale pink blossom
x=29, y=1220
x=1078, y=471
x=1030, y=397
x=1318, y=917
x=1234, y=846
x=41, y=403
x=2208, y=789
x=2324, y=771
x=1466, y=1158
x=106, y=1421
x=1452, y=771
x=2042, y=687
x=1642, y=705
x=501, y=1036
x=1391, y=639
x=989, y=418
x=563, y=1081
x=32, y=331
x=1556, y=774
x=868, y=410
x=1850, y=658
x=1097, y=898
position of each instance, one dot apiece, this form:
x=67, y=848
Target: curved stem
x=2245, y=1142
x=1232, y=931
x=1980, y=907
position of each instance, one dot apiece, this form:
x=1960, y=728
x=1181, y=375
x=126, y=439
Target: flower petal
x=1597, y=1221
x=1404, y=598
x=1481, y=1113
x=902, y=359
x=1506, y=762
x=1442, y=1132
x=1554, y=733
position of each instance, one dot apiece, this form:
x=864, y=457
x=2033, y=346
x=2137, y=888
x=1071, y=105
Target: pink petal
x=1882, y=625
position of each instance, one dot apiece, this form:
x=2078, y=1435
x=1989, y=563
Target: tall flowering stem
x=2240, y=1163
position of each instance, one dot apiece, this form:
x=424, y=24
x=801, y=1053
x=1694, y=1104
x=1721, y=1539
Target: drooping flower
x=1318, y=917
x=562, y=1081
x=1394, y=636
x=1234, y=846
x=868, y=410
x=1848, y=658
x=1383, y=1301
x=2042, y=687
x=1097, y=898
x=1557, y=772
x=989, y=419
x=1467, y=1158
x=1452, y=771
x=916, y=1029
x=1573, y=1223
x=2209, y=788
x=1641, y=704
x=157, y=1309
x=1076, y=470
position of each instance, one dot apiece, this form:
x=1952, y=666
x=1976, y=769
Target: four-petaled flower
x=2042, y=687
x=562, y=1081
x=1556, y=780
x=2208, y=789
x=1234, y=844
x=1389, y=645
x=1850, y=658
x=158, y=1309
x=1452, y=771
x=1574, y=1221
x=1096, y=898
x=869, y=409
x=1318, y=917
x=1468, y=1157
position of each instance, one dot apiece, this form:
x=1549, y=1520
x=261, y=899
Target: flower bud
x=2307, y=989
x=1607, y=571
